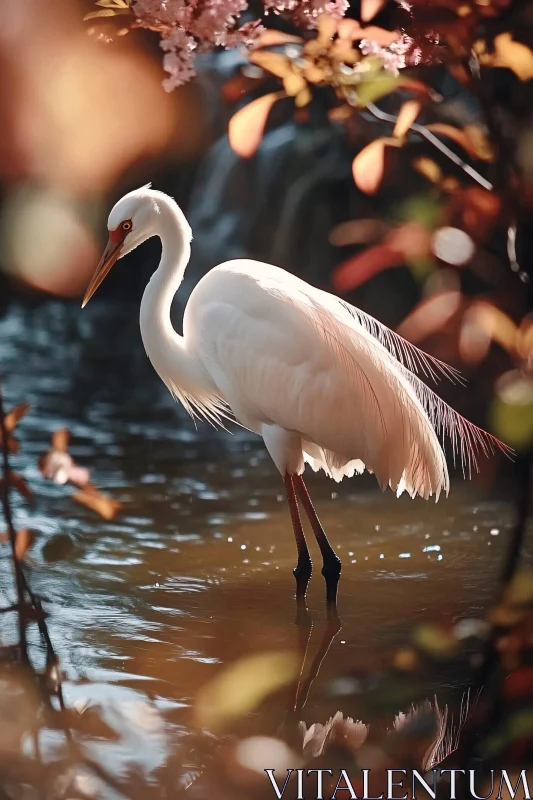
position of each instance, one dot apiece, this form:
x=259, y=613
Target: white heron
x=322, y=382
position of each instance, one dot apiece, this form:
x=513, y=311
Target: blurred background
x=149, y=603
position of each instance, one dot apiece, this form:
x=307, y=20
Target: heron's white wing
x=282, y=352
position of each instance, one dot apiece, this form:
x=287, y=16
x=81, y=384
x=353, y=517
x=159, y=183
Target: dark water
x=195, y=572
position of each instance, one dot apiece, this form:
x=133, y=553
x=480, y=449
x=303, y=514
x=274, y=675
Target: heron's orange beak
x=110, y=255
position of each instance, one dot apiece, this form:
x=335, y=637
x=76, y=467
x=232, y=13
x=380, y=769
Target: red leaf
x=247, y=126
x=358, y=269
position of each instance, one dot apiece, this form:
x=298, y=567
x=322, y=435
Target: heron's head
x=130, y=223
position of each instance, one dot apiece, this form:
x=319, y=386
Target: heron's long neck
x=167, y=350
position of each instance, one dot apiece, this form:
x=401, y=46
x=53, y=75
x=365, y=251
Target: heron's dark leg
x=331, y=567
x=304, y=567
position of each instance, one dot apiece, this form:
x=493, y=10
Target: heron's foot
x=302, y=572
x=331, y=571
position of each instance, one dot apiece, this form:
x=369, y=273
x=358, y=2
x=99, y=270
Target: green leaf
x=372, y=89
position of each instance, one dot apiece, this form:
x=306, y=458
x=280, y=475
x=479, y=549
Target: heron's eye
x=126, y=226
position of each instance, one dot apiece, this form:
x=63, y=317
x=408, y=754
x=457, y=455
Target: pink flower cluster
x=396, y=56
x=190, y=26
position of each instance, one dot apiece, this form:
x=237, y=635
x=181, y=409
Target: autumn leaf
x=358, y=269
x=430, y=315
x=348, y=29
x=247, y=126
x=381, y=36
x=343, y=52
x=97, y=501
x=106, y=12
x=303, y=97
x=11, y=420
x=271, y=38
x=428, y=168
x=13, y=417
x=495, y=323
x=408, y=114
x=327, y=28
x=368, y=165
x=470, y=139
x=370, y=8
x=23, y=542
x=513, y=55
x=293, y=83
x=277, y=64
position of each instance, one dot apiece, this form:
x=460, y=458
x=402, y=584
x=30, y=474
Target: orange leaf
x=271, y=38
x=369, y=8
x=417, y=87
x=303, y=97
x=368, y=165
x=348, y=29
x=379, y=35
x=294, y=83
x=101, y=503
x=247, y=126
x=327, y=28
x=14, y=416
x=479, y=149
x=23, y=542
x=408, y=114
x=428, y=168
x=276, y=63
x=358, y=269
x=60, y=440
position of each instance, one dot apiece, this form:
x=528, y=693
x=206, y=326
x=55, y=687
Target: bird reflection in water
x=421, y=737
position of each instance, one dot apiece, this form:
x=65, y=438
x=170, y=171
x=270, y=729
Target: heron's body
x=334, y=398
x=320, y=381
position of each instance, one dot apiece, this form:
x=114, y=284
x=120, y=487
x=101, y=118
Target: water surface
x=196, y=570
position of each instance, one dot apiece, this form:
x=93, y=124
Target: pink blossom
x=179, y=58
x=395, y=57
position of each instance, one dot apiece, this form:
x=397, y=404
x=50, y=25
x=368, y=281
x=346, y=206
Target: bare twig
x=436, y=142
